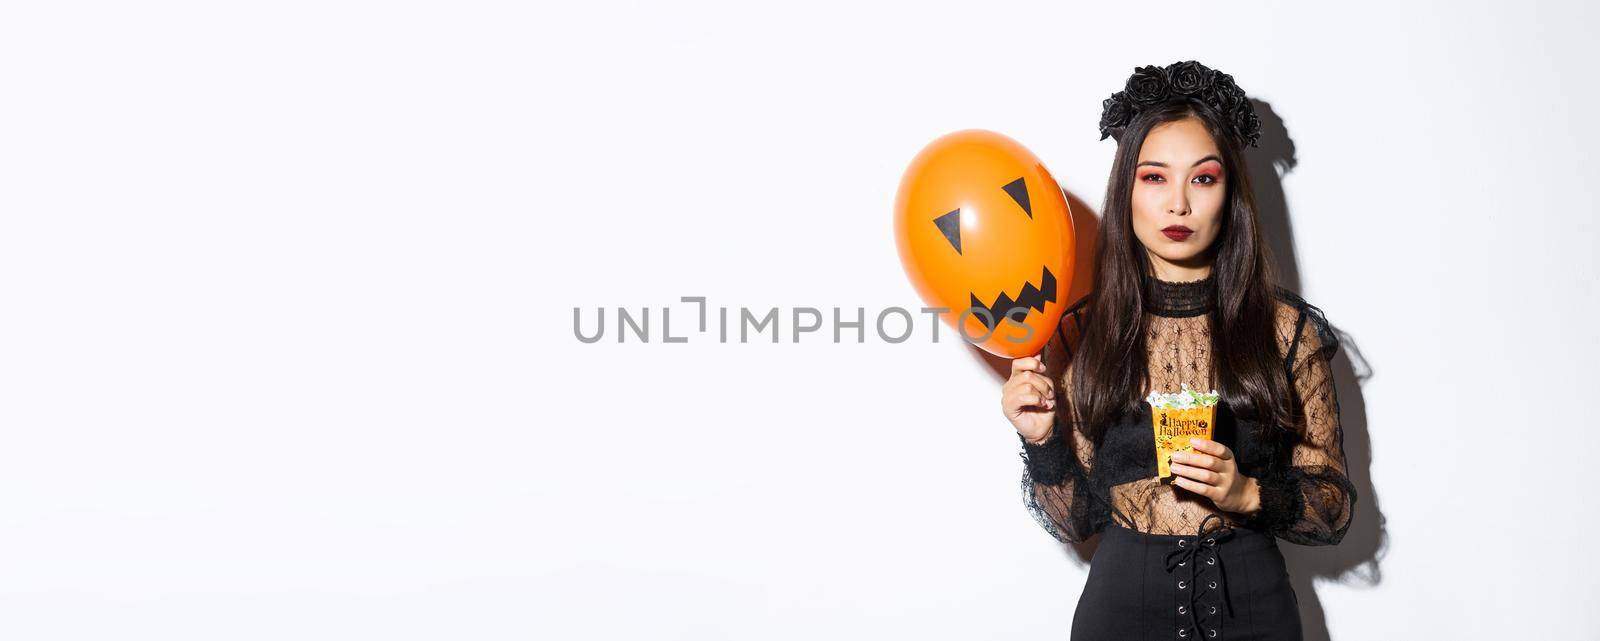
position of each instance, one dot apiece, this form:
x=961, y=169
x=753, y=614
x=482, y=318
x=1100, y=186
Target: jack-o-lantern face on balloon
x=985, y=232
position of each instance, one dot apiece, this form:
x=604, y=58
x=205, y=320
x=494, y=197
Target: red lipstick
x=1177, y=232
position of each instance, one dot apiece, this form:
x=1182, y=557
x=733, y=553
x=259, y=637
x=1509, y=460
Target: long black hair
x=1110, y=363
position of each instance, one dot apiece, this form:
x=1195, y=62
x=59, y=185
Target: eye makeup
x=1213, y=173
x=1213, y=176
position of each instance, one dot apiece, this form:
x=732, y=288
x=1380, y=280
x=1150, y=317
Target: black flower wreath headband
x=1187, y=80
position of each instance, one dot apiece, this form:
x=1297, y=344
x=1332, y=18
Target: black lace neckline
x=1180, y=299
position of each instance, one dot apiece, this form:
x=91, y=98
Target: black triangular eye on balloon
x=950, y=225
x=1019, y=192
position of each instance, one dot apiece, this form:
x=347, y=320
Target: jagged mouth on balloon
x=1032, y=297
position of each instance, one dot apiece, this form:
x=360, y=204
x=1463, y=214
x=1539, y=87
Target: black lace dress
x=1158, y=572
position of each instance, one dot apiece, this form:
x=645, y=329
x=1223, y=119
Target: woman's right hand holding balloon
x=1029, y=400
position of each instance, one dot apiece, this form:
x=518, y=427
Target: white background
x=287, y=291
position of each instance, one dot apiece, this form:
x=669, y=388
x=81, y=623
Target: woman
x=1184, y=294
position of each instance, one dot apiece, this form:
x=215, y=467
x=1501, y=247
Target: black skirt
x=1221, y=583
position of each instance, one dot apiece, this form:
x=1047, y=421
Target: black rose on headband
x=1114, y=112
x=1190, y=77
x=1147, y=86
x=1245, y=121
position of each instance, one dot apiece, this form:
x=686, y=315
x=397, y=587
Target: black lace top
x=1074, y=487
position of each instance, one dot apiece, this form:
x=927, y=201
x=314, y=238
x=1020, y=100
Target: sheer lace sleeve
x=1311, y=501
x=1055, y=473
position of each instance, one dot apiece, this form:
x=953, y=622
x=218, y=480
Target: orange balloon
x=985, y=232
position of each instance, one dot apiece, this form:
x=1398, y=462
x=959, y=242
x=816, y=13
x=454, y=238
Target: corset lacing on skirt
x=1204, y=583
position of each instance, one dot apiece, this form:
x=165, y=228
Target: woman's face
x=1178, y=184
